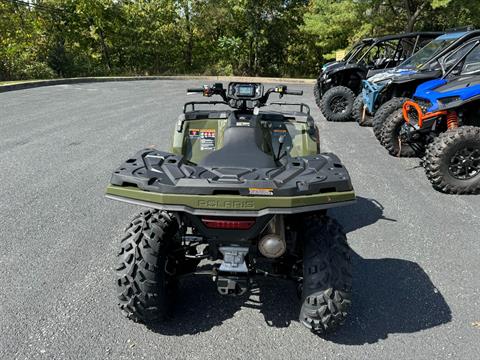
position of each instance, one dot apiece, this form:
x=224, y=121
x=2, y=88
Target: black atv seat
x=241, y=148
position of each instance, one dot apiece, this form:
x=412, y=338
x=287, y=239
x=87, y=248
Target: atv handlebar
x=282, y=90
x=238, y=94
x=294, y=92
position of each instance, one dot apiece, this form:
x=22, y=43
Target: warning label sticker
x=260, y=191
x=207, y=139
x=194, y=133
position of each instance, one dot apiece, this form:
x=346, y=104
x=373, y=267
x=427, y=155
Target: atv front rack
x=304, y=108
x=193, y=103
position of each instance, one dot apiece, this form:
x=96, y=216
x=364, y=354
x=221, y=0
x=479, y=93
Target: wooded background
x=292, y=38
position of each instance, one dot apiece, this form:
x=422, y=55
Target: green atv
x=246, y=190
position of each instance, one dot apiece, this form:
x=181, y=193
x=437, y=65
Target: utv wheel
x=359, y=113
x=382, y=113
x=327, y=275
x=452, y=161
x=337, y=104
x=316, y=94
x=391, y=137
x=144, y=275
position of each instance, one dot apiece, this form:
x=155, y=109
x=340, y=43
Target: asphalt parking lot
x=416, y=251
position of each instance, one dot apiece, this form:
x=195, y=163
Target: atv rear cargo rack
x=166, y=181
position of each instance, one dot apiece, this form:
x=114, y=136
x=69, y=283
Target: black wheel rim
x=338, y=104
x=465, y=164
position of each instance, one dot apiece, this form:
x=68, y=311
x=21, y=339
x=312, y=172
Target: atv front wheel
x=145, y=274
x=391, y=137
x=337, y=104
x=359, y=113
x=327, y=278
x=452, y=161
x=382, y=113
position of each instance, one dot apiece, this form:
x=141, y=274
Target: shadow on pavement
x=198, y=308
x=389, y=296
x=363, y=213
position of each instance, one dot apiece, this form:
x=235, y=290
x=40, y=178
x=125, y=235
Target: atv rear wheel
x=382, y=113
x=327, y=275
x=391, y=137
x=452, y=161
x=316, y=94
x=337, y=104
x=145, y=274
x=359, y=113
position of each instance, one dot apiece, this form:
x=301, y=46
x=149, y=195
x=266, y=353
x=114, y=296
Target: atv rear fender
x=199, y=133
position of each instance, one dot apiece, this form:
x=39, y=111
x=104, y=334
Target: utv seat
x=241, y=149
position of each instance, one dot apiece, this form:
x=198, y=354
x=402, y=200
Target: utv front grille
x=412, y=116
x=415, y=112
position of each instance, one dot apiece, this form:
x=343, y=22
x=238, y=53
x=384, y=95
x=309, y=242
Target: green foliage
x=21, y=44
x=67, y=38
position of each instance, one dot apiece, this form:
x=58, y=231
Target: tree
x=67, y=38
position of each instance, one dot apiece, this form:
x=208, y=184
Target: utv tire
x=382, y=113
x=337, y=104
x=144, y=285
x=327, y=278
x=359, y=113
x=316, y=94
x=455, y=147
x=391, y=137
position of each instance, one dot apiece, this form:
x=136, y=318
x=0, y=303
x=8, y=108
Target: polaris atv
x=444, y=117
x=385, y=92
x=339, y=82
x=245, y=188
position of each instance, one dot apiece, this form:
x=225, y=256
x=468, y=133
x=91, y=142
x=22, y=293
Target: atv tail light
x=228, y=224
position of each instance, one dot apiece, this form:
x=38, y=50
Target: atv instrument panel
x=245, y=91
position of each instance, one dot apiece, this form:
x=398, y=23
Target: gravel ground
x=416, y=251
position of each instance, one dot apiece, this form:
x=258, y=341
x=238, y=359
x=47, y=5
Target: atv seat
x=241, y=149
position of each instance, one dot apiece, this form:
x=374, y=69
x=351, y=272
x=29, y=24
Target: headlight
x=424, y=104
x=447, y=100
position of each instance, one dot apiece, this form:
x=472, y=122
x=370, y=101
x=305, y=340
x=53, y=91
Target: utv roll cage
x=369, y=54
x=412, y=39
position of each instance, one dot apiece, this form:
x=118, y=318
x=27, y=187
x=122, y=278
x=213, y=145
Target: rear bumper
x=230, y=204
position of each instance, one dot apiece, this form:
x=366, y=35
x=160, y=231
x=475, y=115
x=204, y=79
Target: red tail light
x=228, y=224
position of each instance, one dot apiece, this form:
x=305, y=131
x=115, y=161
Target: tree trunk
x=189, y=44
x=413, y=13
x=105, y=49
